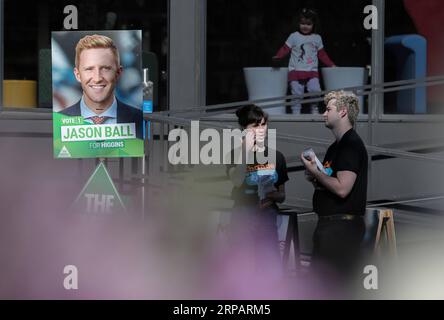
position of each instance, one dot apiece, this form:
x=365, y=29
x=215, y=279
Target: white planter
x=267, y=82
x=343, y=77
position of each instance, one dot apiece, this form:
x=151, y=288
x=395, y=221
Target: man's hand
x=309, y=175
x=340, y=185
x=310, y=165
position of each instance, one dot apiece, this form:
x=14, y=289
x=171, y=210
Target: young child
x=306, y=49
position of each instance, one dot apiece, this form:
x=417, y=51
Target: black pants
x=337, y=248
x=254, y=231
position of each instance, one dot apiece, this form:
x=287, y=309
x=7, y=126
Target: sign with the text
x=99, y=195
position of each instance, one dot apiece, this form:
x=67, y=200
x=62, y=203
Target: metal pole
x=378, y=46
x=187, y=41
x=376, y=100
x=143, y=186
x=144, y=164
x=150, y=146
x=200, y=49
x=167, y=147
x=162, y=146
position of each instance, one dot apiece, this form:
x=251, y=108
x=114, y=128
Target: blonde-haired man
x=341, y=193
x=97, y=69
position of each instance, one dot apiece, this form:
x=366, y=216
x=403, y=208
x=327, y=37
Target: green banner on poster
x=75, y=138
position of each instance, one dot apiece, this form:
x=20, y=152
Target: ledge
x=26, y=114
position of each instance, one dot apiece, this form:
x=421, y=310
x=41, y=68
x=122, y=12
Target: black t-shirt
x=349, y=154
x=247, y=193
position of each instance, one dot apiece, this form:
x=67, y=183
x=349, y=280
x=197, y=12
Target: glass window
x=249, y=33
x=413, y=50
x=28, y=27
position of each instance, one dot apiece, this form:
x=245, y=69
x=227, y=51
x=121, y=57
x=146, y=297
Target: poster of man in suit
x=97, y=94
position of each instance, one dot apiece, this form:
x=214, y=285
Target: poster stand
x=386, y=223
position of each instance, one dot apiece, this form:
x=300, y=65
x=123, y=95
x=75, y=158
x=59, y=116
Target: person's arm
x=325, y=59
x=310, y=178
x=237, y=174
x=341, y=185
x=278, y=195
x=283, y=52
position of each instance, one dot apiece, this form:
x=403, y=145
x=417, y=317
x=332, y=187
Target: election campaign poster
x=97, y=94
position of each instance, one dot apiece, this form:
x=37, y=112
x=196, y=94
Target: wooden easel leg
x=297, y=256
x=386, y=221
x=390, y=229
x=376, y=249
x=287, y=246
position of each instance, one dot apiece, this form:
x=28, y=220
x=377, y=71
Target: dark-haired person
x=254, y=180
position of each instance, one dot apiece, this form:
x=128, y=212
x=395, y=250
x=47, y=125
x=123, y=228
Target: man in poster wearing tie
x=97, y=69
